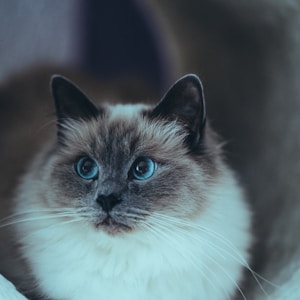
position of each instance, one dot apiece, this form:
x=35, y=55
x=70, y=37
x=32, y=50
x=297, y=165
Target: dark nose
x=108, y=202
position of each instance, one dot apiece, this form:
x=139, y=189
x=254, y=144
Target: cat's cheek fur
x=74, y=261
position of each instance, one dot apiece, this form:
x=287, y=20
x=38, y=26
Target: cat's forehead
x=129, y=130
x=126, y=129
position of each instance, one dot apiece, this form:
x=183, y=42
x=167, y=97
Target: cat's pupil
x=87, y=167
x=142, y=167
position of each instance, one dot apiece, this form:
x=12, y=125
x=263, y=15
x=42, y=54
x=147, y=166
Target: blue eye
x=87, y=168
x=143, y=168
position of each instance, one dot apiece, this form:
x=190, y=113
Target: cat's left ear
x=185, y=102
x=70, y=101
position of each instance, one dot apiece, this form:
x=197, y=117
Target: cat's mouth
x=112, y=226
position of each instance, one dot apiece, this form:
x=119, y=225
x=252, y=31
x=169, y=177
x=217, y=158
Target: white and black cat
x=131, y=202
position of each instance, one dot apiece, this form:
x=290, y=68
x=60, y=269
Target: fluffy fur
x=74, y=261
x=187, y=228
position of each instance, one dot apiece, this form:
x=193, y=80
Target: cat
x=131, y=201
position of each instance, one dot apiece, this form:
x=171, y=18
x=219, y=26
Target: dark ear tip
x=193, y=78
x=189, y=80
x=57, y=79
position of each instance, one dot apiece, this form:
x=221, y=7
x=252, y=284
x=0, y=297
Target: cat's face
x=118, y=165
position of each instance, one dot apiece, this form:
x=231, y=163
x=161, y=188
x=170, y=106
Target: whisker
x=35, y=218
x=139, y=211
x=242, y=260
x=238, y=257
x=211, y=232
x=75, y=220
x=131, y=216
x=177, y=245
x=207, y=269
x=58, y=224
x=46, y=125
x=24, y=212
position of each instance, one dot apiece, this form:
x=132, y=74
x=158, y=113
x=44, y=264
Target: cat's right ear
x=70, y=101
x=185, y=102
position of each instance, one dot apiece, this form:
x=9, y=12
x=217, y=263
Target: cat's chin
x=112, y=227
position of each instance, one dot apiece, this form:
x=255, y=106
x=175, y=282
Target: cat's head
x=117, y=166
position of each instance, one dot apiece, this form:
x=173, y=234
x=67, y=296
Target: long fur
x=195, y=248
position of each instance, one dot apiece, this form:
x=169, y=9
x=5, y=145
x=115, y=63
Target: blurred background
x=246, y=53
x=109, y=39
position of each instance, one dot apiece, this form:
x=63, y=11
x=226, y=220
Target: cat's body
x=132, y=202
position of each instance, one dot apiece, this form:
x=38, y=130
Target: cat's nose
x=108, y=202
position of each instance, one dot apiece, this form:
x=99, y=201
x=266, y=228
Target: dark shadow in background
x=118, y=41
